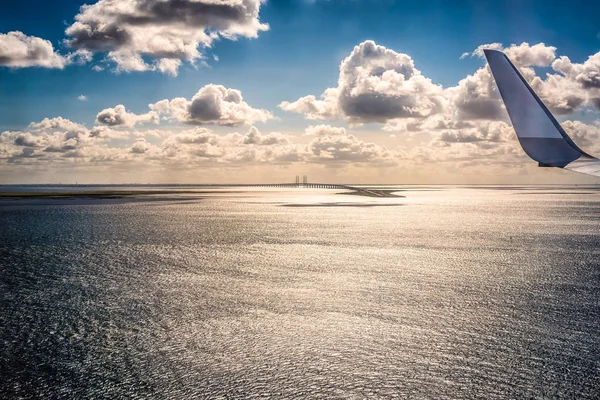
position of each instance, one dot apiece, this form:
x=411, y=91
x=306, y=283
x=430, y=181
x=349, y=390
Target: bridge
x=307, y=185
x=303, y=184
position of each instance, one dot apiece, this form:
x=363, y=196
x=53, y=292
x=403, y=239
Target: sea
x=447, y=292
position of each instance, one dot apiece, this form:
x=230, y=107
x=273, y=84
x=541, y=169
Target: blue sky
x=299, y=55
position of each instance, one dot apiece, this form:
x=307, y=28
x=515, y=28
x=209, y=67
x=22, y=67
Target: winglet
x=540, y=135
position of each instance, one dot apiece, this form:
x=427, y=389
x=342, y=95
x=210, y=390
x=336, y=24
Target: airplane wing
x=540, y=135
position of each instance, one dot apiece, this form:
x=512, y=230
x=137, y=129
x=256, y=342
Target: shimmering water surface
x=447, y=293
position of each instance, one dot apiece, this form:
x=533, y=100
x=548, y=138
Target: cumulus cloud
x=142, y=146
x=214, y=105
x=312, y=108
x=475, y=97
x=479, y=50
x=575, y=83
x=128, y=61
x=59, y=140
x=255, y=137
x=200, y=143
x=322, y=130
x=336, y=145
x=82, y=98
x=115, y=139
x=168, y=66
x=105, y=132
x=57, y=124
x=585, y=135
x=485, y=131
x=588, y=73
x=120, y=116
x=460, y=126
x=56, y=140
x=18, y=50
x=51, y=135
x=539, y=55
x=559, y=93
x=203, y=145
x=375, y=84
x=166, y=31
x=571, y=87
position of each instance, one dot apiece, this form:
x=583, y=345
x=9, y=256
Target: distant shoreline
x=101, y=194
x=139, y=194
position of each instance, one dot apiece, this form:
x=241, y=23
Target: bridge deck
x=303, y=185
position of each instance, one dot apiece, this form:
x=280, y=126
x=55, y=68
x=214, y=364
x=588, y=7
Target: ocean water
x=446, y=293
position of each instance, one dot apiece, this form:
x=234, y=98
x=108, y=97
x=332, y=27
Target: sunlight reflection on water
x=448, y=293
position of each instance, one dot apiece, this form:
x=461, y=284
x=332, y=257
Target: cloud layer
x=59, y=140
x=142, y=35
x=457, y=128
x=212, y=105
x=377, y=84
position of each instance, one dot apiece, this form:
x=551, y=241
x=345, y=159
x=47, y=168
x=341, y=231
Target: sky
x=241, y=91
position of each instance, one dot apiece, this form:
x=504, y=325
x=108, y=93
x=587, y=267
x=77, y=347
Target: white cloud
x=484, y=131
x=479, y=50
x=120, y=116
x=336, y=145
x=475, y=97
x=166, y=31
x=255, y=137
x=325, y=108
x=212, y=105
x=538, y=55
x=322, y=130
x=585, y=135
x=168, y=66
x=59, y=140
x=82, y=98
x=454, y=128
x=57, y=124
x=142, y=146
x=47, y=137
x=523, y=55
x=18, y=50
x=105, y=132
x=128, y=61
x=578, y=82
x=204, y=146
x=375, y=84
x=570, y=88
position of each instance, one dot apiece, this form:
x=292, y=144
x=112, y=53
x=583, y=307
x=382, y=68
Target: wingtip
x=490, y=52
